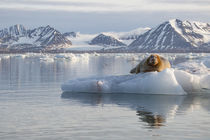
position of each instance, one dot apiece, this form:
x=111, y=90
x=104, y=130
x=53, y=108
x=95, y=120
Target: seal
x=153, y=63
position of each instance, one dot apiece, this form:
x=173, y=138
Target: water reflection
x=16, y=71
x=196, y=101
x=29, y=83
x=153, y=110
x=154, y=121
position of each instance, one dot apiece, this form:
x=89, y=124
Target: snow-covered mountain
x=83, y=42
x=174, y=36
x=171, y=36
x=127, y=37
x=13, y=31
x=19, y=38
x=49, y=37
x=106, y=41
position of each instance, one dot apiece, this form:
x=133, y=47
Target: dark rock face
x=104, y=40
x=17, y=37
x=172, y=36
x=70, y=34
x=13, y=31
x=131, y=37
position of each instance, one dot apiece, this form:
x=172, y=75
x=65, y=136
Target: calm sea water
x=32, y=105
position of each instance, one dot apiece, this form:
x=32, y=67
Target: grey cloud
x=94, y=22
x=111, y=6
x=56, y=3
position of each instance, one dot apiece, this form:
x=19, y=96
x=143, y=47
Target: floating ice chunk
x=64, y=57
x=46, y=59
x=207, y=63
x=197, y=67
x=20, y=56
x=192, y=82
x=60, y=56
x=72, y=57
x=148, y=83
x=84, y=56
x=189, y=82
x=96, y=54
x=6, y=57
x=205, y=82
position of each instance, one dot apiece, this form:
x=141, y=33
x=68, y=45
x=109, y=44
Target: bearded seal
x=153, y=63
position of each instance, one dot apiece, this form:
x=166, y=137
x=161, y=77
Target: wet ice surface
x=33, y=106
x=148, y=83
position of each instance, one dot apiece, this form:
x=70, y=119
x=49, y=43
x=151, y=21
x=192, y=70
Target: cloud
x=94, y=22
x=106, y=5
x=93, y=16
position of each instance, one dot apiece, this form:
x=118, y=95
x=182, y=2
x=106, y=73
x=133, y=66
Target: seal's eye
x=152, y=56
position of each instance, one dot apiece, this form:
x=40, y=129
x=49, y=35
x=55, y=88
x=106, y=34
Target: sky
x=93, y=16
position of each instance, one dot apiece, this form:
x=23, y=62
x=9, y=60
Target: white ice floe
x=170, y=81
x=69, y=56
x=192, y=76
x=47, y=58
x=5, y=56
x=207, y=63
x=19, y=56
x=163, y=82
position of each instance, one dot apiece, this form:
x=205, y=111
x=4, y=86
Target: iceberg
x=163, y=82
x=169, y=82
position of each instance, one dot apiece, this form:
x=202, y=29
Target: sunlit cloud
x=106, y=5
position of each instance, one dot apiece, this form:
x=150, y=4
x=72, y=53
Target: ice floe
x=163, y=82
x=186, y=77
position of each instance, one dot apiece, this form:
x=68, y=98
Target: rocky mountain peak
x=105, y=40
x=173, y=36
x=17, y=37
x=17, y=30
x=70, y=34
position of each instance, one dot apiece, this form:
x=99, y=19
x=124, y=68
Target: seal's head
x=153, y=60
